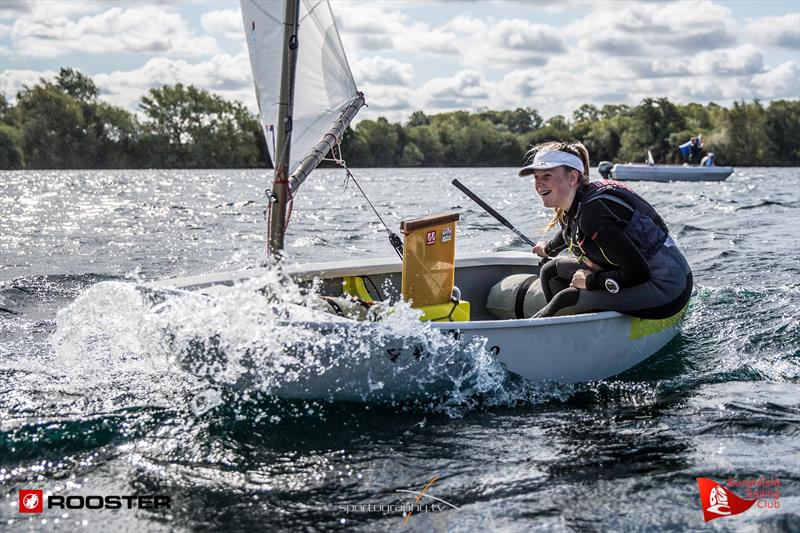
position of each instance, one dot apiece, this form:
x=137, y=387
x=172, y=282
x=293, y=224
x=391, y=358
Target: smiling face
x=557, y=186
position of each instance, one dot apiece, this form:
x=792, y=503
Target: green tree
x=11, y=155
x=426, y=139
x=53, y=127
x=6, y=111
x=782, y=125
x=190, y=127
x=77, y=85
x=555, y=129
x=614, y=110
x=586, y=113
x=520, y=120
x=418, y=118
x=383, y=142
x=412, y=156
x=745, y=141
x=116, y=135
x=604, y=137
x=652, y=123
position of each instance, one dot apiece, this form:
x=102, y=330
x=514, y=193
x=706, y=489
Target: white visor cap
x=552, y=159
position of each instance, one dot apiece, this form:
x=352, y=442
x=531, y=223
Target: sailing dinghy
x=307, y=97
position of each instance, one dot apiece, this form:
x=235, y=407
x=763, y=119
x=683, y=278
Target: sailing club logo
x=447, y=234
x=431, y=238
x=717, y=501
x=30, y=501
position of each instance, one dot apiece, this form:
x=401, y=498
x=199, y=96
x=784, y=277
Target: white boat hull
x=566, y=349
x=663, y=173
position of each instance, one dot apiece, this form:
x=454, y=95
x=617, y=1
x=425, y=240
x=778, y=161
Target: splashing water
x=265, y=335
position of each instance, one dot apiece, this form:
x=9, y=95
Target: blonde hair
x=575, y=148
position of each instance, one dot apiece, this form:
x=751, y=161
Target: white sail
x=323, y=88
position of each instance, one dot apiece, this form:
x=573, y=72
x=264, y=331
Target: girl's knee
x=564, y=299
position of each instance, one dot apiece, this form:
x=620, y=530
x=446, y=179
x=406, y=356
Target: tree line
x=61, y=123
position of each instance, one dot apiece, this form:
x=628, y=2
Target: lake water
x=100, y=415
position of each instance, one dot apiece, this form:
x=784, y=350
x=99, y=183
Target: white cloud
x=743, y=60
x=608, y=51
x=783, y=31
x=147, y=29
x=746, y=59
x=383, y=98
x=468, y=89
x=507, y=42
x=383, y=71
x=371, y=27
x=228, y=76
x=782, y=81
x=655, y=29
x=45, y=9
x=12, y=81
x=227, y=22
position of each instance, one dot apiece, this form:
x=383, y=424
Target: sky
x=433, y=55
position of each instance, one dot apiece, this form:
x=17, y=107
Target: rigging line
x=265, y=13
x=351, y=177
x=311, y=11
x=394, y=240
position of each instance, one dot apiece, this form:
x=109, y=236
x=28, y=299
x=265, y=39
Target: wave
x=767, y=203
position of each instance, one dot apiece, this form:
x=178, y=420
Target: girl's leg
x=556, y=275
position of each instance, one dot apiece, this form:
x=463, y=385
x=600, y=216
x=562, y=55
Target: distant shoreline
x=63, y=124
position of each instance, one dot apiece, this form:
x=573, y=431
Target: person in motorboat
x=695, y=150
x=709, y=160
x=624, y=260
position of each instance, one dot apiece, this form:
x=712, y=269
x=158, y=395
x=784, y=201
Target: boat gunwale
x=477, y=324
x=334, y=269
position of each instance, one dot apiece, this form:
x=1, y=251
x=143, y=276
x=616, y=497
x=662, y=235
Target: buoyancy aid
x=646, y=229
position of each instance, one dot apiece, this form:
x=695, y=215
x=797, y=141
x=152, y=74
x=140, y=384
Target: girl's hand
x=579, y=279
x=539, y=249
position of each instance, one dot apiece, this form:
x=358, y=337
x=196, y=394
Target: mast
x=280, y=185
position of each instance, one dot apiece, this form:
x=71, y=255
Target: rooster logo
x=31, y=501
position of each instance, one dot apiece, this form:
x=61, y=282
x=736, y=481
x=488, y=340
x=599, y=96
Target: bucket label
x=447, y=234
x=431, y=238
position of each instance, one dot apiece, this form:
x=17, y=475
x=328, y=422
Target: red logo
x=431, y=237
x=718, y=502
x=30, y=501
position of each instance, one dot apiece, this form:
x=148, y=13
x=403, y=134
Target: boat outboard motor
x=604, y=168
x=516, y=296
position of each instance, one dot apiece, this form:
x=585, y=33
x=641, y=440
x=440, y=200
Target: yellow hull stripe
x=643, y=327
